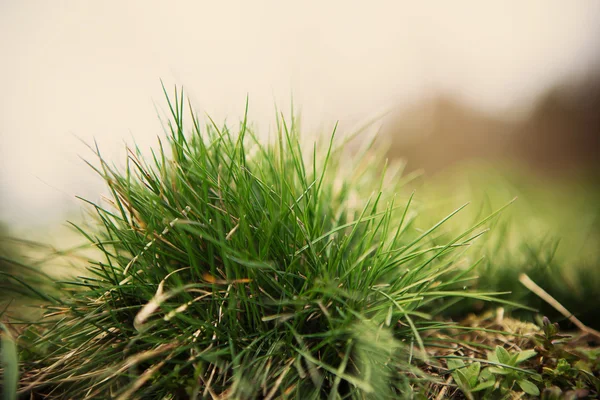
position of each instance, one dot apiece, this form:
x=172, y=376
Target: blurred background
x=490, y=100
x=478, y=78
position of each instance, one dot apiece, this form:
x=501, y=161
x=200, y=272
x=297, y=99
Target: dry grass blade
x=531, y=285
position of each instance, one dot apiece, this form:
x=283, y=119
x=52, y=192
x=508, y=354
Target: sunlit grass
x=241, y=269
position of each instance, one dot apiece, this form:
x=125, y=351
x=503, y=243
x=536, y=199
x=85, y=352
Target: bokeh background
x=467, y=75
x=489, y=100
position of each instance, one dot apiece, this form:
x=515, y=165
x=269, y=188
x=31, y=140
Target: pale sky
x=83, y=69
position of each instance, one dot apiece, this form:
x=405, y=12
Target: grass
x=550, y=233
x=230, y=268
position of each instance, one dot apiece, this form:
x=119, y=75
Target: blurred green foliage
x=551, y=233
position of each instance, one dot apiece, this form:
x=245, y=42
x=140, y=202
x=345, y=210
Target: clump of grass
x=233, y=269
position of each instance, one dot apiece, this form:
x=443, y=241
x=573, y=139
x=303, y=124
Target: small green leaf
x=483, y=386
x=461, y=379
x=536, y=377
x=454, y=363
x=472, y=373
x=513, y=360
x=10, y=364
x=526, y=355
x=499, y=371
x=550, y=329
x=529, y=387
x=562, y=367
x=486, y=375
x=502, y=355
x=492, y=357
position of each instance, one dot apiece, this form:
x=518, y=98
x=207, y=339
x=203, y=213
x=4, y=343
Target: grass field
x=228, y=267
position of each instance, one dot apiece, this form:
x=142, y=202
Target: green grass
x=230, y=267
x=247, y=270
x=10, y=364
x=551, y=233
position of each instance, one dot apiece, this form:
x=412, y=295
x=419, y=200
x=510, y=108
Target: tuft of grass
x=236, y=269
